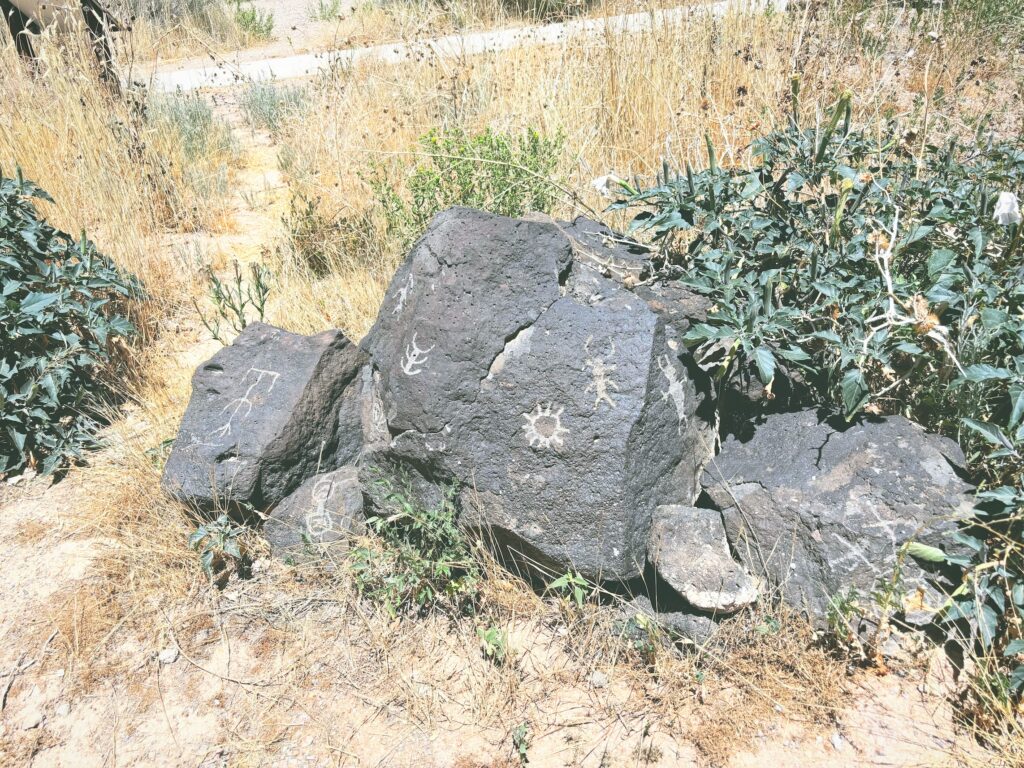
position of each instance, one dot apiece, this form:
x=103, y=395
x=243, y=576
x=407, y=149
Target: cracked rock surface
x=819, y=508
x=565, y=404
x=266, y=413
x=689, y=550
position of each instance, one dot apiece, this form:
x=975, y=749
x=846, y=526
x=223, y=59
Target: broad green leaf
x=925, y=552
x=855, y=391
x=34, y=303
x=765, y=361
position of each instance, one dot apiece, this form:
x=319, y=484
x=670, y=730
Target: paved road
x=222, y=73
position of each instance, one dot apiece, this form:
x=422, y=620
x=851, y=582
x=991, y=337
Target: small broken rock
x=168, y=655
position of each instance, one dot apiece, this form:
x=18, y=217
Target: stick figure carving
x=415, y=358
x=245, y=401
x=601, y=373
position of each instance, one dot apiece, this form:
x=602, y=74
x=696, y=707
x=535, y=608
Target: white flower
x=608, y=185
x=1007, y=209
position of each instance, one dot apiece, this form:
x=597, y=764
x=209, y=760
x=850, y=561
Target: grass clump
x=202, y=151
x=62, y=313
x=266, y=104
x=418, y=558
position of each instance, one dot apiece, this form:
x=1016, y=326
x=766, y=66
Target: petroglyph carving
x=318, y=518
x=241, y=407
x=601, y=373
x=403, y=295
x=415, y=358
x=675, y=391
x=544, y=427
x=854, y=553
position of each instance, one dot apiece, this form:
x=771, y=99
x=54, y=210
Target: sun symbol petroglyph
x=602, y=374
x=403, y=294
x=237, y=405
x=675, y=391
x=415, y=358
x=544, y=427
x=318, y=518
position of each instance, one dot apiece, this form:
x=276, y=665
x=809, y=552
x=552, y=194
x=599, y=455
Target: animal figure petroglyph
x=601, y=373
x=675, y=391
x=245, y=401
x=415, y=358
x=403, y=295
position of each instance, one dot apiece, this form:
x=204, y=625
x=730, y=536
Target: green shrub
x=257, y=24
x=498, y=172
x=891, y=282
x=62, y=309
x=324, y=10
x=418, y=558
x=266, y=104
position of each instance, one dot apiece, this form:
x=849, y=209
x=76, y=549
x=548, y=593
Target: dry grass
x=295, y=645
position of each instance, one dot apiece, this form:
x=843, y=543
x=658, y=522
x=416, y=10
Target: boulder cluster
x=540, y=368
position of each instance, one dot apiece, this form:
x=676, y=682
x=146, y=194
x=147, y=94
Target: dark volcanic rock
x=689, y=551
x=820, y=509
x=566, y=405
x=695, y=627
x=321, y=514
x=266, y=413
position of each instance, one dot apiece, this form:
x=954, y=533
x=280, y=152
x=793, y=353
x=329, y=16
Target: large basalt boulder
x=267, y=413
x=565, y=404
x=689, y=551
x=820, y=508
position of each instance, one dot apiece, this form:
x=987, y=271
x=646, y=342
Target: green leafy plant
x=570, y=586
x=233, y=300
x=418, y=558
x=506, y=174
x=324, y=10
x=257, y=24
x=63, y=312
x=493, y=643
x=886, y=278
x=521, y=742
x=218, y=546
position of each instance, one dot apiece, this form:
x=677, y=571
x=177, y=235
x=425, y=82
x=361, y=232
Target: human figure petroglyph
x=318, y=518
x=544, y=427
x=245, y=400
x=403, y=295
x=601, y=373
x=675, y=391
x=415, y=358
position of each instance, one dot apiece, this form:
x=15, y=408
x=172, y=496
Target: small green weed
x=418, y=558
x=493, y=643
x=218, y=546
x=324, y=10
x=570, y=586
x=257, y=24
x=233, y=300
x=521, y=742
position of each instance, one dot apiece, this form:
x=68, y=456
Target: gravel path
x=221, y=73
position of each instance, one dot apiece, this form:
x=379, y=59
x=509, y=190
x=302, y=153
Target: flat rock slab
x=321, y=515
x=266, y=413
x=564, y=403
x=689, y=551
x=820, y=509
